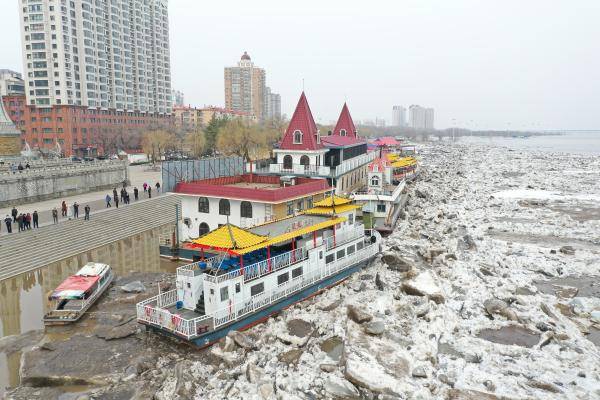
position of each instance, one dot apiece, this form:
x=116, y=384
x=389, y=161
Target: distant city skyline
x=542, y=73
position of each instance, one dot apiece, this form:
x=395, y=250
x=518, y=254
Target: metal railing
x=348, y=165
x=358, y=231
x=190, y=269
x=296, y=169
x=261, y=268
x=190, y=328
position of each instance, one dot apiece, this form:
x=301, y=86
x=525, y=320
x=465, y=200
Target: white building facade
x=421, y=117
x=398, y=116
x=107, y=54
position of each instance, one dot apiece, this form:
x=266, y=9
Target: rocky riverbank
x=488, y=289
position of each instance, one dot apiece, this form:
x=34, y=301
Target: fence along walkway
x=22, y=252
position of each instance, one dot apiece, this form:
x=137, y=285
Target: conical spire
x=302, y=121
x=345, y=123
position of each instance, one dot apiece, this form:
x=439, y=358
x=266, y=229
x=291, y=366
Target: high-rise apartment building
x=107, y=54
x=421, y=117
x=93, y=70
x=245, y=88
x=11, y=83
x=272, y=104
x=398, y=116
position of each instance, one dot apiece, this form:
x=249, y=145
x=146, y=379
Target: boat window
x=320, y=255
x=290, y=208
x=189, y=285
x=237, y=288
x=359, y=245
x=296, y=272
x=257, y=289
x=283, y=278
x=350, y=219
x=297, y=137
x=350, y=249
x=224, y=207
x=246, y=209
x=224, y=293
x=341, y=253
x=203, y=206
x=330, y=258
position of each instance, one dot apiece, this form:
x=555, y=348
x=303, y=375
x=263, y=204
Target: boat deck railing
x=150, y=312
x=341, y=238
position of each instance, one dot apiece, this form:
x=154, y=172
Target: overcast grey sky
x=486, y=64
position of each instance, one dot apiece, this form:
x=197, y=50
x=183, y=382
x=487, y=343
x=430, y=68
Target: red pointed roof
x=302, y=121
x=345, y=122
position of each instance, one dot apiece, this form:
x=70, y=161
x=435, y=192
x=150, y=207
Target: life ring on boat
x=148, y=310
x=175, y=320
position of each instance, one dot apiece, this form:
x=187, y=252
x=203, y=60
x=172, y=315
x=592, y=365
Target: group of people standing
x=124, y=195
x=26, y=221
x=22, y=220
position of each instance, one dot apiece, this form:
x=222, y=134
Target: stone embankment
x=59, y=181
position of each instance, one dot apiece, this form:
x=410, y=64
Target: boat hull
x=262, y=315
x=54, y=321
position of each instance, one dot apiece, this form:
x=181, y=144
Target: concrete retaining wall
x=54, y=182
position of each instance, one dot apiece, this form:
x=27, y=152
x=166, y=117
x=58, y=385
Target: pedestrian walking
x=117, y=202
x=55, y=215
x=14, y=214
x=157, y=187
x=75, y=210
x=27, y=166
x=135, y=193
x=8, y=222
x=20, y=222
x=115, y=197
x=145, y=187
x=149, y=192
x=36, y=219
x=107, y=201
x=28, y=221
x=123, y=195
x=64, y=208
x=126, y=198
x=86, y=209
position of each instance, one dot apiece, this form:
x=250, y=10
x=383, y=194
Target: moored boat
x=260, y=271
x=76, y=294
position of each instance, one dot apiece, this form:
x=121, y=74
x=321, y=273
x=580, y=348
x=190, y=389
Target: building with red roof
x=245, y=200
x=341, y=156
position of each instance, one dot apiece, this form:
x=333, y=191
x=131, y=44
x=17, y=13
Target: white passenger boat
x=77, y=293
x=260, y=271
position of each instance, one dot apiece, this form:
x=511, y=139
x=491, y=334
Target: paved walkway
x=137, y=175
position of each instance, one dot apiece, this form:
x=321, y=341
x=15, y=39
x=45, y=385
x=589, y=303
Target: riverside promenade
x=138, y=175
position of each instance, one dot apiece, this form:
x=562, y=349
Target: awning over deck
x=331, y=210
x=404, y=162
x=295, y=233
x=237, y=241
x=74, y=287
x=229, y=238
x=328, y=201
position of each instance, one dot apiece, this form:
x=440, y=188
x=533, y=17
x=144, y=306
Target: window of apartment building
x=246, y=209
x=203, y=205
x=224, y=207
x=380, y=207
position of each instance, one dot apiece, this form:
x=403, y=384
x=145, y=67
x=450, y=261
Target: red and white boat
x=78, y=293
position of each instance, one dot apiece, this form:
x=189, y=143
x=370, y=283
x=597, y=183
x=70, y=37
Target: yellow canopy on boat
x=329, y=210
x=229, y=237
x=292, y=234
x=404, y=162
x=327, y=201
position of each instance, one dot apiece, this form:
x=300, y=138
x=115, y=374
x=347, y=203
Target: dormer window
x=342, y=132
x=297, y=137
